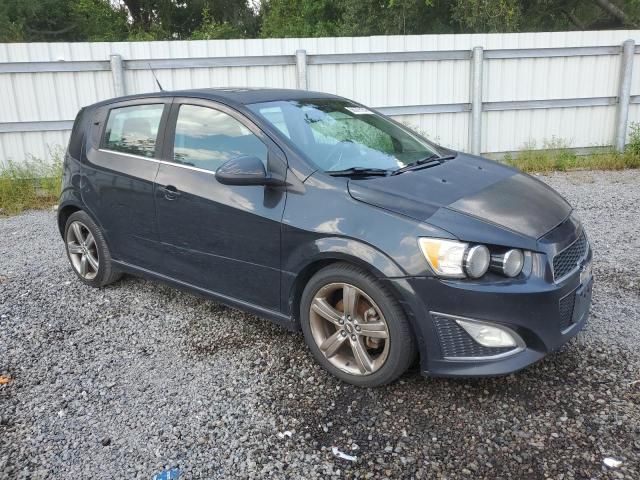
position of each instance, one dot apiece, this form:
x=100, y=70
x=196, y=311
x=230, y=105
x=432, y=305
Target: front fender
x=304, y=260
x=347, y=249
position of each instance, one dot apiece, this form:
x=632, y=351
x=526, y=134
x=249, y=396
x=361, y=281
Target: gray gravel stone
x=137, y=377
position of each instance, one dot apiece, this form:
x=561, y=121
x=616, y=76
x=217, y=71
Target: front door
x=122, y=159
x=222, y=238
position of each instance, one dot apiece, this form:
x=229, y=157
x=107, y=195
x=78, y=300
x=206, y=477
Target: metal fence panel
x=567, y=91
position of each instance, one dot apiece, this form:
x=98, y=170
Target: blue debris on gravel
x=171, y=474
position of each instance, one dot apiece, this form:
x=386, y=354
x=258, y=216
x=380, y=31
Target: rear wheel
x=88, y=252
x=354, y=326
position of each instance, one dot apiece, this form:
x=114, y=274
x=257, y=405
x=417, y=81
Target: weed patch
x=556, y=156
x=32, y=184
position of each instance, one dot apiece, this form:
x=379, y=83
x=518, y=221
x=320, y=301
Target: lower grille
x=456, y=342
x=566, y=310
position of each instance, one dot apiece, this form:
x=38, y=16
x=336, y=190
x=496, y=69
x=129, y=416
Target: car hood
x=469, y=185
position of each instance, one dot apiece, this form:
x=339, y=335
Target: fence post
x=624, y=93
x=301, y=69
x=475, y=135
x=117, y=72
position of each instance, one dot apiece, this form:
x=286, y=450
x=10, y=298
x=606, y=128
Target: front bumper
x=543, y=314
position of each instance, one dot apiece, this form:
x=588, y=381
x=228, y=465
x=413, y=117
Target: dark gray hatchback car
x=321, y=214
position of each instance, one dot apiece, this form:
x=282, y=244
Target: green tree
x=300, y=18
x=395, y=17
x=544, y=15
x=112, y=20
x=209, y=29
x=289, y=18
x=179, y=19
x=61, y=20
x=487, y=15
x=98, y=21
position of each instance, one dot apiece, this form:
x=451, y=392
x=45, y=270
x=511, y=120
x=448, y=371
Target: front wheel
x=354, y=326
x=88, y=252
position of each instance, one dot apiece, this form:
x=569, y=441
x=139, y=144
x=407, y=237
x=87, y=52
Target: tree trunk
x=615, y=11
x=137, y=13
x=573, y=19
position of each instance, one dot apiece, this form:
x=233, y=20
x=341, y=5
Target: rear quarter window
x=134, y=129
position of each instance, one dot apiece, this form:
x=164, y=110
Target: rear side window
x=206, y=138
x=133, y=129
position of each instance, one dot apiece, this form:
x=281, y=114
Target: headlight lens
x=509, y=263
x=453, y=259
x=476, y=261
x=445, y=257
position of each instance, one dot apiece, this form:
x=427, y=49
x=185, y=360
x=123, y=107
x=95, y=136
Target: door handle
x=170, y=192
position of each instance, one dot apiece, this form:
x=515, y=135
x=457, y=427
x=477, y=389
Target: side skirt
x=276, y=317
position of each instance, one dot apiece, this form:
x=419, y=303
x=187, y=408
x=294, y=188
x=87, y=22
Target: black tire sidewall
x=103, y=275
x=401, y=346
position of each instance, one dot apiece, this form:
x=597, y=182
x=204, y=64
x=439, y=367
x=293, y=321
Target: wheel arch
x=338, y=250
x=66, y=209
x=64, y=212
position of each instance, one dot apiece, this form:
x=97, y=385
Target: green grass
x=32, y=184
x=565, y=160
x=556, y=155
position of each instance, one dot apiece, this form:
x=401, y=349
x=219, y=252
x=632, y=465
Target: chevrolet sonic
x=324, y=215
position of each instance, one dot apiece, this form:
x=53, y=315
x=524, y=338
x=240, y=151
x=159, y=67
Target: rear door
x=223, y=238
x=122, y=162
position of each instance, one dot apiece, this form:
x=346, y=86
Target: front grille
x=566, y=310
x=456, y=342
x=568, y=259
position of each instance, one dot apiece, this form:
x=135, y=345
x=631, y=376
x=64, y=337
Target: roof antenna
x=155, y=78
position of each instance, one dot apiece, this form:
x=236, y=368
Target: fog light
x=487, y=335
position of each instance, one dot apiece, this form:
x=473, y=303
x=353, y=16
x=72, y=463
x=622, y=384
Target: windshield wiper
x=359, y=171
x=430, y=161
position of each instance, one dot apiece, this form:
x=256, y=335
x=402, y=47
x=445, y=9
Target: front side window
x=337, y=134
x=133, y=129
x=207, y=138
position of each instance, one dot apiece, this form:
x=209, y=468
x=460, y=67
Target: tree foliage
x=301, y=18
x=54, y=20
x=113, y=20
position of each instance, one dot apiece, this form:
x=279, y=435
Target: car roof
x=232, y=96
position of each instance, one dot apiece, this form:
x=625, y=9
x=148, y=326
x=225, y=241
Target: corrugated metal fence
x=481, y=93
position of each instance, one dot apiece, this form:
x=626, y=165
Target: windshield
x=338, y=135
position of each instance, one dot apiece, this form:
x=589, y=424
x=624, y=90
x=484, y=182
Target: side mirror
x=245, y=170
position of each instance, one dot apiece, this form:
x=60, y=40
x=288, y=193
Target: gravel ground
x=137, y=377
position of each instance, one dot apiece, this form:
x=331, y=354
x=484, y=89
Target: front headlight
x=509, y=263
x=476, y=261
x=453, y=259
x=444, y=256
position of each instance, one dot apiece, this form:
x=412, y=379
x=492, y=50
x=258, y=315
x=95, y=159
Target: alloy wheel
x=83, y=251
x=349, y=329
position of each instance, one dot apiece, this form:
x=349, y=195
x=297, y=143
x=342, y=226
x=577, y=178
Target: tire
x=89, y=250
x=390, y=357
